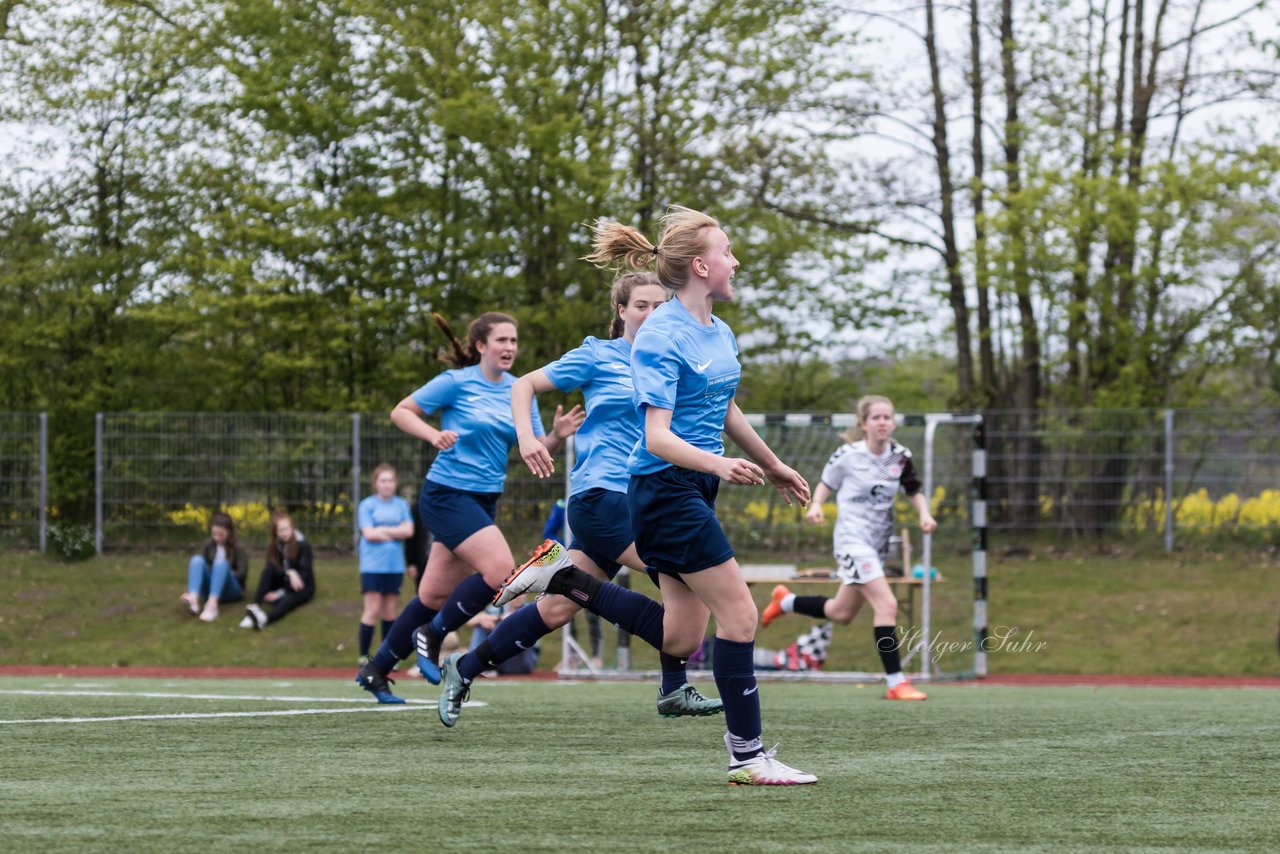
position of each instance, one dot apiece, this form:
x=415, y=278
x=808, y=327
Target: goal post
x=774, y=544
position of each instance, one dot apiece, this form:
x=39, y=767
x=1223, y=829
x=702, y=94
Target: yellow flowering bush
x=1200, y=513
x=253, y=516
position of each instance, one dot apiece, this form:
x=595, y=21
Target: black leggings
x=275, y=579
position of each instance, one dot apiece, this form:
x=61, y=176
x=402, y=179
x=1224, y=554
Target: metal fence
x=160, y=475
x=1056, y=474
x=24, y=478
x=1185, y=472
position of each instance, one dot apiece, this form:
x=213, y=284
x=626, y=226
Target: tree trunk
x=951, y=252
x=1027, y=379
x=986, y=354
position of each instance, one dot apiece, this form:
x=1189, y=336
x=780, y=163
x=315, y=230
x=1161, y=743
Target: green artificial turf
x=1184, y=614
x=568, y=766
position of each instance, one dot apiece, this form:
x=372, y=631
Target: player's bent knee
x=556, y=611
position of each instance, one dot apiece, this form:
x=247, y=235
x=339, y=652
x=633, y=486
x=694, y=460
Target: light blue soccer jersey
x=373, y=512
x=602, y=369
x=690, y=368
x=479, y=411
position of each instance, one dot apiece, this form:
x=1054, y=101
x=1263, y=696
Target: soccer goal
x=943, y=617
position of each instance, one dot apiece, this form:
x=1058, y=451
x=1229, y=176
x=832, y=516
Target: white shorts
x=858, y=566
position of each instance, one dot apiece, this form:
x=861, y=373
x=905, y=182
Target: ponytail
x=614, y=241
x=683, y=239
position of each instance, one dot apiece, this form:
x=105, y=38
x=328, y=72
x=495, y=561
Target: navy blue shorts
x=452, y=515
x=601, y=527
x=381, y=582
x=673, y=517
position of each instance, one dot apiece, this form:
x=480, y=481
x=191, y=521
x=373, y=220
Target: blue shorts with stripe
x=673, y=516
x=601, y=527
x=452, y=515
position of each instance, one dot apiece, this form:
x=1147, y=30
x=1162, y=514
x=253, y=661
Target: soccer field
x=132, y=764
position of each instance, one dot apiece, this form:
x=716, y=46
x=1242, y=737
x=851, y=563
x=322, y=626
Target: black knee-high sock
x=366, y=638
x=581, y=587
x=634, y=612
x=674, y=672
x=810, y=606
x=887, y=645
x=386, y=628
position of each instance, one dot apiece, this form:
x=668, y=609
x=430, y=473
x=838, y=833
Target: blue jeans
x=201, y=579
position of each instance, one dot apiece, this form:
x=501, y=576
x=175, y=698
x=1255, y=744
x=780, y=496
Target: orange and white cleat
x=535, y=574
x=773, y=610
x=905, y=691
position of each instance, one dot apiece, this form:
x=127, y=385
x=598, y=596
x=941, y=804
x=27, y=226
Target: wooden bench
x=904, y=588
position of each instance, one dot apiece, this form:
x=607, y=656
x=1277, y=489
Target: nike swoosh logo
x=749, y=691
x=521, y=645
x=702, y=367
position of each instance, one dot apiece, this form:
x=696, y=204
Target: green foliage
x=72, y=542
x=254, y=204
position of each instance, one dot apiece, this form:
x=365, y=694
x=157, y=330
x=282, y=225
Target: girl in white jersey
x=864, y=476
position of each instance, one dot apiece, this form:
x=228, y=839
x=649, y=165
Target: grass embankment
x=1181, y=614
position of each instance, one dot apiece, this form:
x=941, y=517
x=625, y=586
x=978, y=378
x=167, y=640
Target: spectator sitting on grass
x=219, y=572
x=287, y=580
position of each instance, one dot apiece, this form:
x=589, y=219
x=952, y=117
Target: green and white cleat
x=764, y=769
x=453, y=691
x=535, y=574
x=687, y=702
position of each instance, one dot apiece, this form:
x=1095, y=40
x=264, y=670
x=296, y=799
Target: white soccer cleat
x=535, y=574
x=764, y=769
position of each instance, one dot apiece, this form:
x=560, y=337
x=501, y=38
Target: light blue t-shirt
x=374, y=512
x=690, y=368
x=479, y=411
x=602, y=369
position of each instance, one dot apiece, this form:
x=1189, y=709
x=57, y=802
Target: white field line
x=201, y=715
x=365, y=706
x=179, y=696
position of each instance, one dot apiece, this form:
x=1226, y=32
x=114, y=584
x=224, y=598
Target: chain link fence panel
x=24, y=474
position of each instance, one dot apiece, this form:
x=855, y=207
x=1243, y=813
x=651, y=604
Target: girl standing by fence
x=385, y=524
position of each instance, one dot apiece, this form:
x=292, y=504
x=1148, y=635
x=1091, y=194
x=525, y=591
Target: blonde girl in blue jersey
x=602, y=536
x=469, y=556
x=684, y=366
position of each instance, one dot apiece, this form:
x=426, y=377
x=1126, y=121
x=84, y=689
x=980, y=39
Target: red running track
x=1018, y=679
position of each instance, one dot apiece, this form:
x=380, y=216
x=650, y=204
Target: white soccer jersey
x=864, y=486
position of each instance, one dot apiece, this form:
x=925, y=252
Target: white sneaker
x=210, y=613
x=535, y=574
x=764, y=770
x=247, y=622
x=256, y=617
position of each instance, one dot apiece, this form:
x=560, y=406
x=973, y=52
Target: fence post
x=1168, y=480
x=355, y=479
x=97, y=483
x=44, y=480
